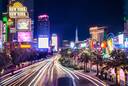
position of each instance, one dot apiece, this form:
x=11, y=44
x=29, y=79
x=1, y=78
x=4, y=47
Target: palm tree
x=85, y=58
x=98, y=61
x=124, y=66
x=125, y=69
x=116, y=61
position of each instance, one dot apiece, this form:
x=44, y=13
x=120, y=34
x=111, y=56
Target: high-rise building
x=97, y=33
x=43, y=25
x=43, y=32
x=21, y=27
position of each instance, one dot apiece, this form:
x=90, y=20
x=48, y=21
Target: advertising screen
x=1, y=44
x=121, y=38
x=43, y=42
x=24, y=36
x=23, y=24
x=55, y=42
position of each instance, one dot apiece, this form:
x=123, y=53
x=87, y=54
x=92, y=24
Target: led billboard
x=24, y=36
x=43, y=42
x=23, y=24
x=55, y=42
x=25, y=46
x=121, y=39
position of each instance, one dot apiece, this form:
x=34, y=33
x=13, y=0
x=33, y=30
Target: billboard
x=23, y=24
x=121, y=39
x=25, y=46
x=24, y=36
x=43, y=42
x=55, y=42
x=17, y=10
x=12, y=30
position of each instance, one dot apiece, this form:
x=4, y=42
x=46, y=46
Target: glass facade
x=43, y=25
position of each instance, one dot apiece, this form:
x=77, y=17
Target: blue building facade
x=43, y=25
x=43, y=30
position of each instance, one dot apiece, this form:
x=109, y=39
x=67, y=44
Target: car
x=65, y=81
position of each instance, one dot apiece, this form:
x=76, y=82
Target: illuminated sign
x=24, y=36
x=1, y=45
x=121, y=39
x=110, y=44
x=25, y=46
x=23, y=24
x=55, y=42
x=83, y=45
x=17, y=10
x=72, y=45
x=126, y=42
x=43, y=42
x=12, y=30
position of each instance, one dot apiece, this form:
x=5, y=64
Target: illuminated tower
x=43, y=32
x=44, y=25
x=76, y=36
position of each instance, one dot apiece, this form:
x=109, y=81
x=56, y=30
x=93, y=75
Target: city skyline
x=65, y=15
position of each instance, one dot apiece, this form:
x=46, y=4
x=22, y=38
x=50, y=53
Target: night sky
x=66, y=15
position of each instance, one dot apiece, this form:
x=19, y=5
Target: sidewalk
x=15, y=69
x=93, y=75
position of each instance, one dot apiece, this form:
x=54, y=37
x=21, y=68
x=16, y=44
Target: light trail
x=45, y=71
x=91, y=78
x=70, y=74
x=34, y=71
x=21, y=73
x=21, y=79
x=39, y=74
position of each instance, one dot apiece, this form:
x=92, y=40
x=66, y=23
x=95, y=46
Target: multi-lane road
x=49, y=73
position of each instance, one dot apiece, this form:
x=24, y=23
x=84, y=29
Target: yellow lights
x=25, y=46
x=17, y=10
x=17, y=4
x=14, y=15
x=21, y=9
x=110, y=44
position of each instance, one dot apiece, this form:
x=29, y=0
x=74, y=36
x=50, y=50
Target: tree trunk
x=84, y=66
x=97, y=70
x=117, y=76
x=125, y=78
x=90, y=67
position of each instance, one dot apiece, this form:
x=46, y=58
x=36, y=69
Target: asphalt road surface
x=48, y=73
